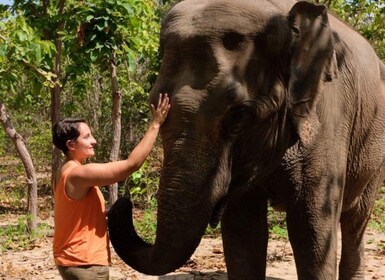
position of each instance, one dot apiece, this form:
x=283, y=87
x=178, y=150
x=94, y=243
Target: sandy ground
x=207, y=263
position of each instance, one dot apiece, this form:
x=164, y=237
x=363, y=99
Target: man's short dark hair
x=64, y=130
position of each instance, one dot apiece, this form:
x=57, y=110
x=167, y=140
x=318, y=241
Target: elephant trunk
x=194, y=178
x=177, y=234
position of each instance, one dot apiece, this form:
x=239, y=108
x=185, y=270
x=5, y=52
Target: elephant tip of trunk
x=121, y=229
x=158, y=259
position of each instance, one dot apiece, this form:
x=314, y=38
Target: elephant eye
x=232, y=40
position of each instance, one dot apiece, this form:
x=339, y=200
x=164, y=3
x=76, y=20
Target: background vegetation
x=55, y=61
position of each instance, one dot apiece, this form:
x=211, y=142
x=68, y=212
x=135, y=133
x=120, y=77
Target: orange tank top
x=80, y=232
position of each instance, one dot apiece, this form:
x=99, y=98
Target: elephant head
x=243, y=77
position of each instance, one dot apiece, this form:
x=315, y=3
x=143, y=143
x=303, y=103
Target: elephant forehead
x=192, y=17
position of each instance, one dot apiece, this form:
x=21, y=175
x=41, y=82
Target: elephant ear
x=313, y=62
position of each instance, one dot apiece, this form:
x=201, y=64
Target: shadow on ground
x=203, y=276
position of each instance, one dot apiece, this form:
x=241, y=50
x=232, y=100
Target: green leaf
x=99, y=45
x=89, y=18
x=136, y=176
x=20, y=35
x=128, y=9
x=93, y=56
x=99, y=27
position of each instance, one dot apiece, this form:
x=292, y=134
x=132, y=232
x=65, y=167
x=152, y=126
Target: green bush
x=145, y=222
x=18, y=237
x=377, y=220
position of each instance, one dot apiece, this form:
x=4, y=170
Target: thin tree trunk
x=56, y=94
x=116, y=124
x=25, y=157
x=94, y=99
x=55, y=116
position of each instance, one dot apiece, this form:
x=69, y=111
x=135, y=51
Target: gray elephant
x=271, y=100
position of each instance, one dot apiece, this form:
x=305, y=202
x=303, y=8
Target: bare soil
x=207, y=263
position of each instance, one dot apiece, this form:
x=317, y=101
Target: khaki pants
x=84, y=272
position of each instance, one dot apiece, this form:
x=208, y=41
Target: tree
x=26, y=159
x=367, y=16
x=49, y=18
x=21, y=48
x=113, y=35
x=112, y=32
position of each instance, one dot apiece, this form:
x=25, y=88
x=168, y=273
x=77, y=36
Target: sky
x=6, y=2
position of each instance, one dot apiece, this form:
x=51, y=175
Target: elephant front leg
x=312, y=229
x=353, y=225
x=352, y=264
x=245, y=237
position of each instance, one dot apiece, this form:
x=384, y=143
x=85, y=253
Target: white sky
x=6, y=2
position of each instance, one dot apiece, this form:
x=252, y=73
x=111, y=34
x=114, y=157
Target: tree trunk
x=55, y=117
x=95, y=99
x=56, y=94
x=25, y=157
x=116, y=124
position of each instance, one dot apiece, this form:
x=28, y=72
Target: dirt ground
x=207, y=263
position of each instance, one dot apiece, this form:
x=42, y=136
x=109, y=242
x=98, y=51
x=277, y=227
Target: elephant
x=273, y=102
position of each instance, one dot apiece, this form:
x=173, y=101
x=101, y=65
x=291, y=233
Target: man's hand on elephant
x=160, y=112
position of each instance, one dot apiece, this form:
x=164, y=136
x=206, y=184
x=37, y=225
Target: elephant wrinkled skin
x=271, y=100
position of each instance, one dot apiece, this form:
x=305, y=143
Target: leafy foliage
x=145, y=223
x=22, y=48
x=105, y=26
x=378, y=219
x=366, y=16
x=144, y=184
x=17, y=237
